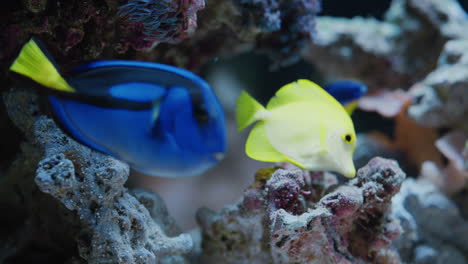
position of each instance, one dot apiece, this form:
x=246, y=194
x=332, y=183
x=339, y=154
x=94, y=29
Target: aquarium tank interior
x=233, y=131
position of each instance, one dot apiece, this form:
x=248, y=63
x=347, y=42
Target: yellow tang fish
x=301, y=124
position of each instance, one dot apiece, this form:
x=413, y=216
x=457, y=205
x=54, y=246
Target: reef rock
x=96, y=220
x=393, y=53
x=187, y=33
x=441, y=99
x=293, y=217
x=434, y=231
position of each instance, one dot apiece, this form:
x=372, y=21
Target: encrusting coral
x=116, y=29
x=284, y=218
x=433, y=227
x=99, y=221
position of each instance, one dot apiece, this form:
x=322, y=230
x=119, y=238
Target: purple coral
x=161, y=21
x=280, y=222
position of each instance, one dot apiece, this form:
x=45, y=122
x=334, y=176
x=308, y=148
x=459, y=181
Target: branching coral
x=161, y=21
x=279, y=221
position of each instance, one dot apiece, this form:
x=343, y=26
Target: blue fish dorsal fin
x=133, y=84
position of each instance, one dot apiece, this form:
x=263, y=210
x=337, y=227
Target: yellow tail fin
x=247, y=110
x=33, y=63
x=350, y=107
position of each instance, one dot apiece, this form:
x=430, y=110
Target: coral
x=95, y=218
x=453, y=177
x=162, y=21
x=289, y=26
x=115, y=29
x=409, y=137
x=441, y=98
x=392, y=53
x=357, y=48
x=433, y=226
x=280, y=220
x=369, y=146
x=35, y=6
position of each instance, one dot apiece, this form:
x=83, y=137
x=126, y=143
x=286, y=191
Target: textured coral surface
x=283, y=218
x=63, y=203
x=116, y=29
x=434, y=229
x=96, y=220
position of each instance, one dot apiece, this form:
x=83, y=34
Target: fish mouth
x=218, y=155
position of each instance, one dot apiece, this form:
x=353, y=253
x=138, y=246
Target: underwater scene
x=234, y=131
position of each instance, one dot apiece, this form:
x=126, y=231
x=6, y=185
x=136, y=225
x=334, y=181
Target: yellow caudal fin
x=33, y=63
x=248, y=110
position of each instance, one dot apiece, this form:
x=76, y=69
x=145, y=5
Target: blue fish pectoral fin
x=258, y=147
x=156, y=110
x=175, y=117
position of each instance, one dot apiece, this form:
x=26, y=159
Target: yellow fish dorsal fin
x=33, y=63
x=300, y=90
x=248, y=110
x=259, y=148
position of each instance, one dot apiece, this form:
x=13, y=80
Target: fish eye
x=348, y=138
x=201, y=115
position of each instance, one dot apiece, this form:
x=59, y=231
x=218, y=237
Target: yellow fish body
x=301, y=124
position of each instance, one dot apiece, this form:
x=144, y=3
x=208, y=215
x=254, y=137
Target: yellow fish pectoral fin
x=300, y=90
x=351, y=107
x=259, y=148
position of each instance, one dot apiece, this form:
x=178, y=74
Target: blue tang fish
x=347, y=93
x=162, y=120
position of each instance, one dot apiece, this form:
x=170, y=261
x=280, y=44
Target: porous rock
x=92, y=217
x=390, y=53
x=433, y=227
x=280, y=220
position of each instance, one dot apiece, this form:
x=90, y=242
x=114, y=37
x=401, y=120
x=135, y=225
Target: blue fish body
x=165, y=139
x=346, y=92
x=161, y=120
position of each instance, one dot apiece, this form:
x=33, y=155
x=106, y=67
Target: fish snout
x=348, y=170
x=350, y=174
